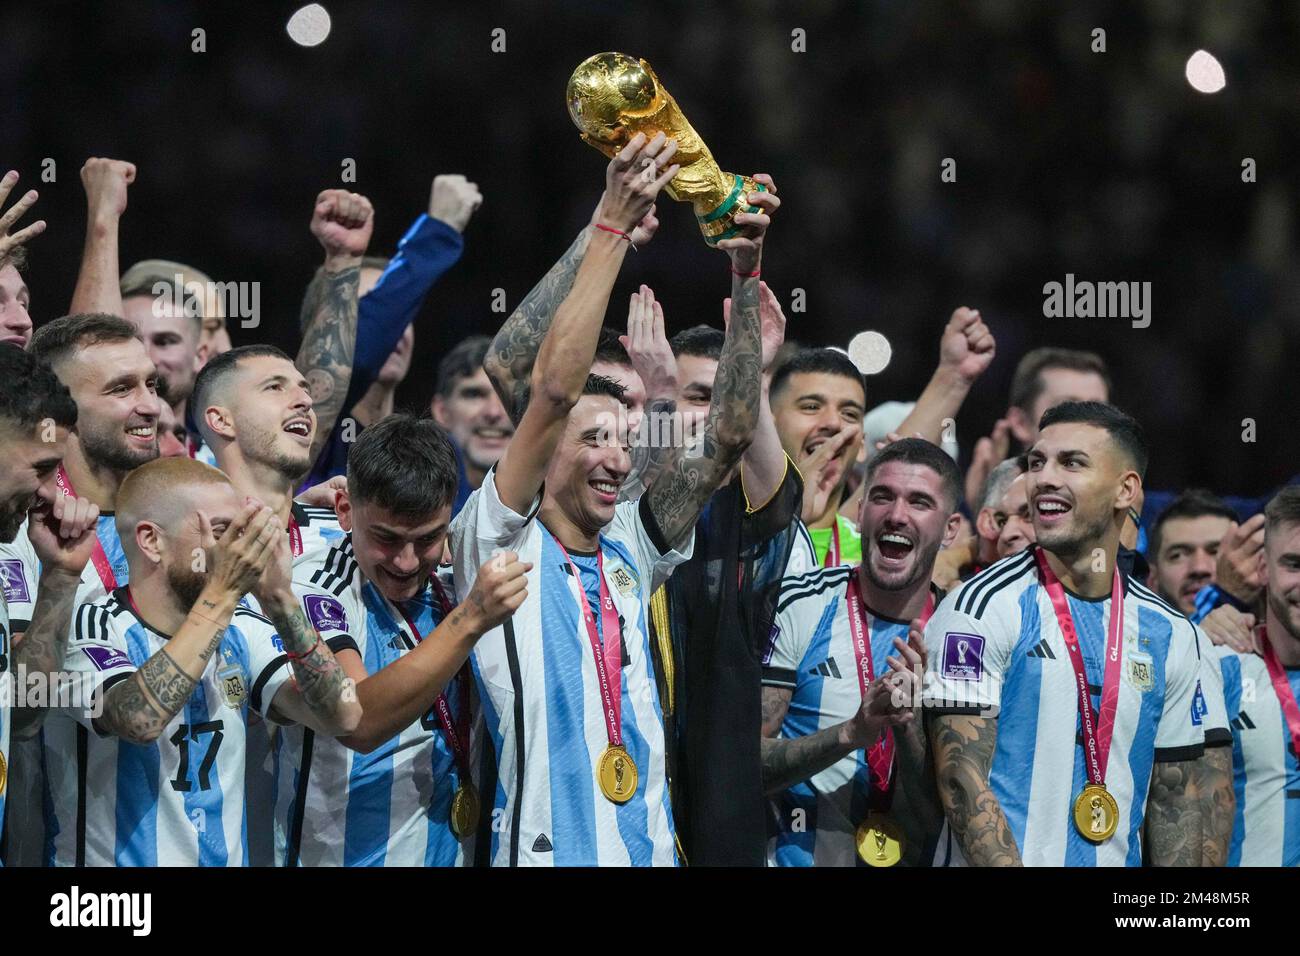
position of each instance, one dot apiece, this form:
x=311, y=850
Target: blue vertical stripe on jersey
x=136, y=821
x=572, y=777
x=1230, y=666
x=1012, y=774
x=203, y=806
x=795, y=848
x=239, y=645
x=1090, y=626
x=633, y=816
x=367, y=820
x=1291, y=805
x=106, y=530
x=1157, y=629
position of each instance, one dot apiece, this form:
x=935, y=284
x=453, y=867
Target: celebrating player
x=1016, y=658
x=150, y=769
x=844, y=760
x=400, y=789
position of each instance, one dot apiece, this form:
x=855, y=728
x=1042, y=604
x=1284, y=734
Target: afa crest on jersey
x=1141, y=672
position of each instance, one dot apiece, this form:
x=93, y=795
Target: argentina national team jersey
x=6, y=706
x=1265, y=775
x=20, y=572
x=180, y=800
x=812, y=655
x=390, y=807
x=996, y=649
x=538, y=686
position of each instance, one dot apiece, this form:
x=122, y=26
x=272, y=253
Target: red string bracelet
x=617, y=232
x=307, y=653
x=746, y=275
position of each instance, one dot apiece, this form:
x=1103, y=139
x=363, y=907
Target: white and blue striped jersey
x=20, y=572
x=6, y=704
x=180, y=800
x=1265, y=774
x=538, y=687
x=812, y=655
x=390, y=807
x=996, y=650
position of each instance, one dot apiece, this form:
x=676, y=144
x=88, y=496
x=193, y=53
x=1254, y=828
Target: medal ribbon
x=97, y=557
x=295, y=537
x=832, y=559
x=457, y=737
x=880, y=758
x=1282, y=687
x=611, y=687
x=1097, y=728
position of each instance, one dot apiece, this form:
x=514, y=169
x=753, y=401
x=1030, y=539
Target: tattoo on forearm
x=787, y=761
x=1213, y=780
x=1175, y=835
x=514, y=350
x=43, y=645
x=678, y=497
x=963, y=754
x=328, y=350
x=140, y=707
x=318, y=675
x=652, y=450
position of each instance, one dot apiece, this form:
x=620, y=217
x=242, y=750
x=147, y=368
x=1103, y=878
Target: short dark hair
x=404, y=464
x=1027, y=382
x=55, y=341
x=465, y=359
x=1192, y=503
x=32, y=393
x=819, y=360
x=702, y=341
x=595, y=385
x=218, y=369
x=918, y=451
x=610, y=349
x=311, y=298
x=1282, y=508
x=1123, y=428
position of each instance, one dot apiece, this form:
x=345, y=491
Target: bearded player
x=152, y=770
x=844, y=761
x=1034, y=766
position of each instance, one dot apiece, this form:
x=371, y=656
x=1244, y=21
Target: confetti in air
x=310, y=25
x=1204, y=73
x=870, y=352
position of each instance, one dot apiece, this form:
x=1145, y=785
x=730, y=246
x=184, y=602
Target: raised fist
x=453, y=200
x=343, y=221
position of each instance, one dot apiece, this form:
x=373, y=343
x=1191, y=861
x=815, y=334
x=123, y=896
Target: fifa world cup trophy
x=613, y=96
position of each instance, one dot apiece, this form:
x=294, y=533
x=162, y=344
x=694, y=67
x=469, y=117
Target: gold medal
x=880, y=841
x=4, y=774
x=617, y=774
x=1096, y=814
x=464, y=811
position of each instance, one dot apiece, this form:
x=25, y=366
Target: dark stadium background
x=1105, y=165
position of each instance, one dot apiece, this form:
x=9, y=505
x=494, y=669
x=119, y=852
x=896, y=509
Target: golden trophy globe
x=613, y=96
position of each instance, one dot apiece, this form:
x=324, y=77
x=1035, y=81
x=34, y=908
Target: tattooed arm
x=509, y=361
x=963, y=755
x=1212, y=781
x=1175, y=832
x=787, y=761
x=41, y=648
x=342, y=221
x=321, y=696
x=138, y=708
x=681, y=493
